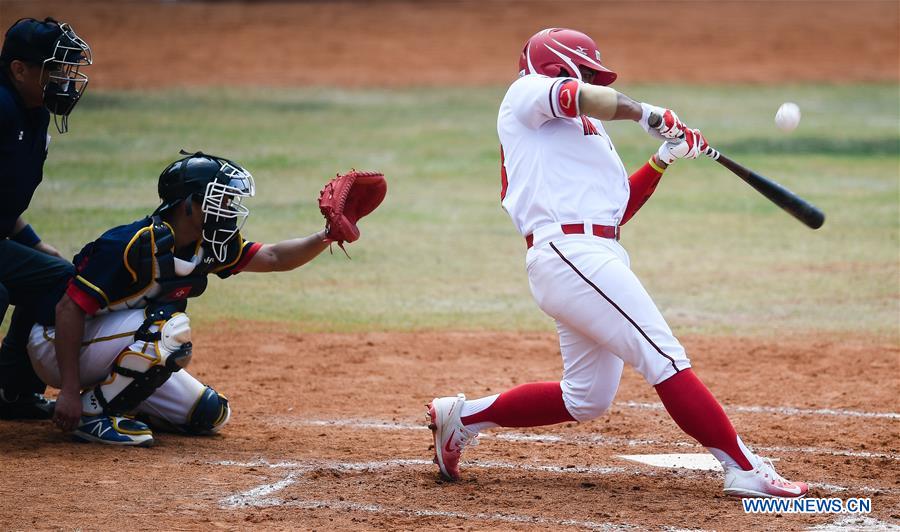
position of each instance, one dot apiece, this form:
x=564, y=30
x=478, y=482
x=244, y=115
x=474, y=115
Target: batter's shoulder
x=526, y=89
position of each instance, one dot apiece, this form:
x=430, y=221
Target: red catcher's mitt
x=347, y=198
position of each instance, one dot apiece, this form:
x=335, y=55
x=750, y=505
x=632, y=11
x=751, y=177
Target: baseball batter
x=568, y=194
x=120, y=331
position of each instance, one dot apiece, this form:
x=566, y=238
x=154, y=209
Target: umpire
x=40, y=74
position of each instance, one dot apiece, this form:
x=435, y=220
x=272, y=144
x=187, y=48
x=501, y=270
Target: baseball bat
x=799, y=208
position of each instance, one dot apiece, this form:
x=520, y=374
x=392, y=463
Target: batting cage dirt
x=328, y=430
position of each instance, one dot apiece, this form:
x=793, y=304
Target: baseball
x=788, y=116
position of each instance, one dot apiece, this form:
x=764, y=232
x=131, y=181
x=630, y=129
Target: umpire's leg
x=28, y=277
x=4, y=302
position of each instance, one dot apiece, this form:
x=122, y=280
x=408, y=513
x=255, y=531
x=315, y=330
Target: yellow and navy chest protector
x=137, y=265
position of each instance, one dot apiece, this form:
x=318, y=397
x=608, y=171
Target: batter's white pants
x=106, y=336
x=604, y=317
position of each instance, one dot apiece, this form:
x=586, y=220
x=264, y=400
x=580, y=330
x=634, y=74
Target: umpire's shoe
x=114, y=430
x=25, y=406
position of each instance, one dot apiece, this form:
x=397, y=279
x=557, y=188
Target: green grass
x=441, y=253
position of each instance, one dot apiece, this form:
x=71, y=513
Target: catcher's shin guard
x=137, y=374
x=210, y=414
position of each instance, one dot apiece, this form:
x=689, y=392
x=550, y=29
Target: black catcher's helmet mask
x=219, y=184
x=60, y=52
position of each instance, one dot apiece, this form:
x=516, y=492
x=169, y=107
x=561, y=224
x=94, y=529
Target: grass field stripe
x=784, y=410
x=593, y=439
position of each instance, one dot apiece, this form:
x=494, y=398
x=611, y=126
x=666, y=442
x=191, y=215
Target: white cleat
x=450, y=436
x=761, y=481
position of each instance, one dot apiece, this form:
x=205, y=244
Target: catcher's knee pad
x=137, y=374
x=209, y=415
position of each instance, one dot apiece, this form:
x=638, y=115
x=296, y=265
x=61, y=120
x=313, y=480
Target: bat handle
x=654, y=121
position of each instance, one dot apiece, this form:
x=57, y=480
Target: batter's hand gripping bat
x=793, y=204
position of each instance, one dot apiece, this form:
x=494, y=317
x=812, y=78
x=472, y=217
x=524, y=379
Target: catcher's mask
x=61, y=54
x=220, y=185
x=554, y=50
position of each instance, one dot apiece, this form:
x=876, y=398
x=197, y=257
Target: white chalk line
x=592, y=440
x=259, y=496
x=783, y=410
x=854, y=522
x=326, y=465
x=481, y=516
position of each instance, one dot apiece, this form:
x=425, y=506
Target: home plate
x=698, y=461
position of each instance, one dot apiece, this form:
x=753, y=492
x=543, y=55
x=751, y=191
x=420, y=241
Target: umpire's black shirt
x=23, y=149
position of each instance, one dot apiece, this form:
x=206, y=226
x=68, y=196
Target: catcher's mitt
x=347, y=198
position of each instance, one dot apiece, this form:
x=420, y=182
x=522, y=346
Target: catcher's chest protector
x=150, y=259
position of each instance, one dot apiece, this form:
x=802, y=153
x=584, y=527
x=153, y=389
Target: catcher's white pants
x=106, y=336
x=604, y=317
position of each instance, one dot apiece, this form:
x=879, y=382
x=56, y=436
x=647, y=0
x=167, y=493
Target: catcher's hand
x=347, y=198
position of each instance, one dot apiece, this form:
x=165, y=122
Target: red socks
x=697, y=412
x=528, y=405
x=687, y=400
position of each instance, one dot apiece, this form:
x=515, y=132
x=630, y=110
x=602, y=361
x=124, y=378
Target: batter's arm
x=69, y=332
x=288, y=254
x=642, y=184
x=604, y=103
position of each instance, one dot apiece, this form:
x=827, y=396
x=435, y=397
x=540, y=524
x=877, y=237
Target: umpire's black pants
x=27, y=277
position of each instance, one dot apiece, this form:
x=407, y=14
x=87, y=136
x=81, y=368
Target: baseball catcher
x=116, y=339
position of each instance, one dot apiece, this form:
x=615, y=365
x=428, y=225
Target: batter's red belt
x=602, y=231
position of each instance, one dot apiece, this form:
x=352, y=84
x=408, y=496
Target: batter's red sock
x=697, y=412
x=528, y=405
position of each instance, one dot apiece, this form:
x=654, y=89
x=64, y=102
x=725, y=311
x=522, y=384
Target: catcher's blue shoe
x=114, y=430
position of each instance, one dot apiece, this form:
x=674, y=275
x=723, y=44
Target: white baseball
x=788, y=116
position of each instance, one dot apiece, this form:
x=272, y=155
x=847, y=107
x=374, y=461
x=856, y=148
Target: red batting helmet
x=549, y=51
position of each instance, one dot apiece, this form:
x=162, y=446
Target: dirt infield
x=328, y=433
x=150, y=44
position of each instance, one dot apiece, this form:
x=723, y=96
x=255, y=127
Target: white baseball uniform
x=563, y=183
x=105, y=337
